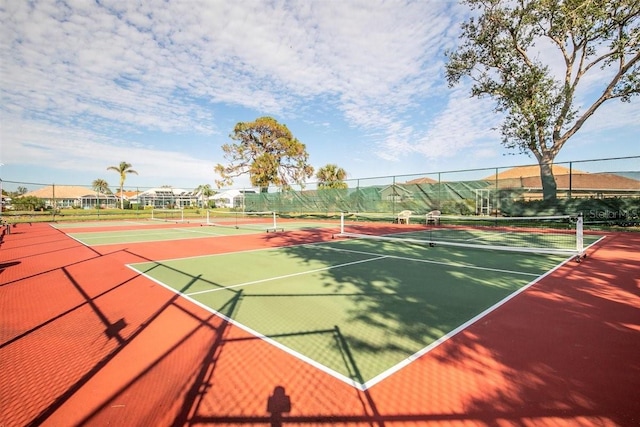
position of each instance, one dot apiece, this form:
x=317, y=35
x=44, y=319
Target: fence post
x=570, y=178
x=439, y=193
x=394, y=195
x=496, y=202
x=53, y=210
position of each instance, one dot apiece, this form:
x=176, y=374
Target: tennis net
x=545, y=234
x=263, y=221
x=168, y=215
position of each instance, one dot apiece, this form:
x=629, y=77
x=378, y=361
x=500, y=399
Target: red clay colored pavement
x=84, y=340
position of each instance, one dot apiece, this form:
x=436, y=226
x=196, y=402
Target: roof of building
x=167, y=191
x=129, y=195
x=395, y=188
x=529, y=177
x=424, y=180
x=530, y=171
x=582, y=181
x=61, y=192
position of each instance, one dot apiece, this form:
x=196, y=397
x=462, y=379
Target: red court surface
x=84, y=340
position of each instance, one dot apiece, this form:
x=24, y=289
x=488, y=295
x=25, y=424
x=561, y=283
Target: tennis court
x=152, y=234
x=175, y=227
x=358, y=309
x=359, y=323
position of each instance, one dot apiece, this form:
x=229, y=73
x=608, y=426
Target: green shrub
x=462, y=207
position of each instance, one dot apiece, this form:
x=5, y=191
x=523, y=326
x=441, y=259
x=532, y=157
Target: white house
x=168, y=197
x=68, y=196
x=231, y=198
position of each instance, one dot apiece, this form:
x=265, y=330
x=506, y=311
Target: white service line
x=428, y=261
x=286, y=276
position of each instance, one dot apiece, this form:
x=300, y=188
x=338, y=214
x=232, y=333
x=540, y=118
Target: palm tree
x=100, y=186
x=205, y=191
x=331, y=176
x=123, y=169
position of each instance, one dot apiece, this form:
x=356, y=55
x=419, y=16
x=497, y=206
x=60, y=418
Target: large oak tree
x=268, y=152
x=510, y=50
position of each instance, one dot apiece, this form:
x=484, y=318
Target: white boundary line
x=375, y=380
x=275, y=248
x=88, y=225
x=259, y=335
x=286, y=276
x=147, y=232
x=428, y=261
x=378, y=378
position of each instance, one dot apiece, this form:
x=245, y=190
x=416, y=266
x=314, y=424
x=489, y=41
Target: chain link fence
x=603, y=190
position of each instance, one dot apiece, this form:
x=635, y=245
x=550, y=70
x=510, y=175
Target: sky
x=161, y=85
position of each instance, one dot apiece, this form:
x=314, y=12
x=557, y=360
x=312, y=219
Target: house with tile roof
x=70, y=196
x=570, y=183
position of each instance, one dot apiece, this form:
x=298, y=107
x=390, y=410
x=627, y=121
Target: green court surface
x=154, y=235
x=359, y=309
x=102, y=223
x=186, y=232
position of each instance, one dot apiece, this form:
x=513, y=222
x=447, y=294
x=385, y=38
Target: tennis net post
x=168, y=215
x=266, y=221
x=274, y=227
x=580, y=237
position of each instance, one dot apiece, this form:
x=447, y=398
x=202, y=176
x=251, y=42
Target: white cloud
x=86, y=152
x=135, y=65
x=85, y=77
x=463, y=123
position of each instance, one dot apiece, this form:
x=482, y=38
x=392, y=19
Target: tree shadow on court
x=541, y=345
x=400, y=295
x=5, y=265
x=567, y=347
